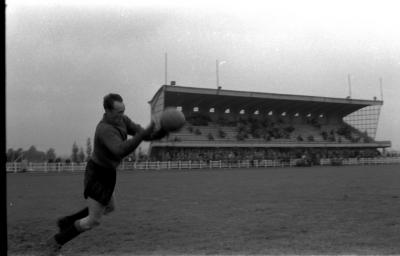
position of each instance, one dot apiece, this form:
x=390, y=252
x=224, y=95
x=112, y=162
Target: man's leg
x=92, y=220
x=110, y=207
x=96, y=211
x=67, y=221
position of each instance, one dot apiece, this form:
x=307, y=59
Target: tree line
x=78, y=154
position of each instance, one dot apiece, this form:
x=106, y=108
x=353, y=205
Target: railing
x=168, y=165
x=361, y=161
x=45, y=167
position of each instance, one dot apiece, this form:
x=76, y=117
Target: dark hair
x=108, y=100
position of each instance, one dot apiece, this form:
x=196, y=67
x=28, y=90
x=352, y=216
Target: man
x=111, y=145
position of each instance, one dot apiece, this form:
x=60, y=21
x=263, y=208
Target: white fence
x=361, y=161
x=148, y=165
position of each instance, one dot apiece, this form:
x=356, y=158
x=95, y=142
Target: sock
x=79, y=215
x=66, y=221
x=67, y=235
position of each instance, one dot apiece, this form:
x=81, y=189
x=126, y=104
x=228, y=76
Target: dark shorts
x=99, y=182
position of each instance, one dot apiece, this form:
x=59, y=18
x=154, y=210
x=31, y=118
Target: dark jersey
x=111, y=143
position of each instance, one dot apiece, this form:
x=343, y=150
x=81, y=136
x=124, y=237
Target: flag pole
x=217, y=66
x=349, y=81
x=166, y=68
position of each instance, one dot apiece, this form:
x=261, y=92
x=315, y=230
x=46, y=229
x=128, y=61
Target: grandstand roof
x=220, y=98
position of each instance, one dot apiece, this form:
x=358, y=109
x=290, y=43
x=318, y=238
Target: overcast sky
x=62, y=57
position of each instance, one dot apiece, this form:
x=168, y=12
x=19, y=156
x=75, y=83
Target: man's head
x=114, y=106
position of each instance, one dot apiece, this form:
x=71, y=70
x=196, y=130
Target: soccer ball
x=172, y=119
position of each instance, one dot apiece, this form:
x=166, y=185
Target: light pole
x=217, y=67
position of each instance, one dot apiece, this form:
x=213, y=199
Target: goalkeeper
x=111, y=145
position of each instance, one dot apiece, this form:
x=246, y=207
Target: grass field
x=314, y=210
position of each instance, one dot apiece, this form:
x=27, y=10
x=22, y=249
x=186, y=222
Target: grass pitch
x=317, y=210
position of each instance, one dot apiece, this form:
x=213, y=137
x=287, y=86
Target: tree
x=51, y=154
x=33, y=155
x=75, y=150
x=19, y=154
x=81, y=156
x=11, y=155
x=88, y=149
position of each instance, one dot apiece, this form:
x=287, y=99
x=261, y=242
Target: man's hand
x=149, y=129
x=154, y=132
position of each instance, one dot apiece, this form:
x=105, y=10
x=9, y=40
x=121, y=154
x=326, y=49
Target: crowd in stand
x=266, y=128
x=234, y=154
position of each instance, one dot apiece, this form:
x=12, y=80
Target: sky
x=62, y=57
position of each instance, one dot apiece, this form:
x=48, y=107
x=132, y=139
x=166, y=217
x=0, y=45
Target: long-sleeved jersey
x=111, y=143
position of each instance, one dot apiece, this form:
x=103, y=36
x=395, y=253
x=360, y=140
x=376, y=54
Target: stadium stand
x=229, y=125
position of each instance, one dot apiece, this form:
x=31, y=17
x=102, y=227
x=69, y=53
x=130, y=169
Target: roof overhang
x=227, y=144
x=207, y=97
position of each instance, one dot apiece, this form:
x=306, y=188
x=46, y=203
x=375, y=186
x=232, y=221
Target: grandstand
x=242, y=125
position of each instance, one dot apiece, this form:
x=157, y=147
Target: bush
x=299, y=138
x=310, y=138
x=197, y=131
x=210, y=136
x=190, y=129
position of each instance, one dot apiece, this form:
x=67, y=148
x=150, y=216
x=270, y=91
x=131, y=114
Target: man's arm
x=118, y=147
x=133, y=128
x=156, y=135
